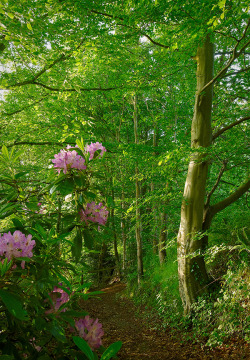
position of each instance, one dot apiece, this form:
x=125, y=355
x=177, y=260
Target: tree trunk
x=124, y=237
x=163, y=238
x=117, y=260
x=193, y=277
x=137, y=197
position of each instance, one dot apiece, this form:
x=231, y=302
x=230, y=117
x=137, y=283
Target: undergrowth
x=214, y=318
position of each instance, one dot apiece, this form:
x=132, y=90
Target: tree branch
x=214, y=209
x=62, y=57
x=216, y=183
x=221, y=131
x=236, y=72
x=37, y=143
x=26, y=107
x=138, y=30
x=235, y=55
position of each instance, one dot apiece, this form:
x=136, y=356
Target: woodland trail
x=141, y=341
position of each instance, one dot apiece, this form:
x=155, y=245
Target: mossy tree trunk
x=193, y=277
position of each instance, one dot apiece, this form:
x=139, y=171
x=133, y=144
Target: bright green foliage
x=70, y=69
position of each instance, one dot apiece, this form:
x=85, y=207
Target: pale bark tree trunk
x=191, y=268
x=137, y=197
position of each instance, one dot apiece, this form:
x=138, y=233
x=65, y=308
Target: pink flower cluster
x=91, y=331
x=16, y=245
x=68, y=160
x=58, y=297
x=93, y=147
x=96, y=213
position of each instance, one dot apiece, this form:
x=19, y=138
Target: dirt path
x=140, y=342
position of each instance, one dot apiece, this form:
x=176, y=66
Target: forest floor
x=141, y=341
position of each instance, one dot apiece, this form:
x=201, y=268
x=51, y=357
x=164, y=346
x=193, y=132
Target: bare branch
x=221, y=131
x=235, y=55
x=216, y=183
x=236, y=72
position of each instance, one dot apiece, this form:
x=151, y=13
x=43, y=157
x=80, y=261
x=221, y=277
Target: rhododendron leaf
x=84, y=347
x=13, y=304
x=58, y=332
x=80, y=144
x=7, y=210
x=66, y=281
x=20, y=174
x=53, y=189
x=66, y=187
x=41, y=231
x=18, y=225
x=111, y=350
x=5, y=152
x=77, y=246
x=88, y=239
x=5, y=266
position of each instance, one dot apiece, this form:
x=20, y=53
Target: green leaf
x=13, y=304
x=5, y=266
x=10, y=15
x=84, y=347
x=29, y=26
x=80, y=144
x=41, y=231
x=18, y=225
x=18, y=154
x=66, y=187
x=58, y=332
x=111, y=350
x=65, y=280
x=21, y=174
x=5, y=152
x=88, y=239
x=77, y=245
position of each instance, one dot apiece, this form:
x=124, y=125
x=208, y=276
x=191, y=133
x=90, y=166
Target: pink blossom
x=96, y=213
x=93, y=147
x=67, y=160
x=41, y=211
x=16, y=245
x=91, y=331
x=58, y=297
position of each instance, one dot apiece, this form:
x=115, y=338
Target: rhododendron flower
x=96, y=213
x=91, y=331
x=67, y=160
x=93, y=147
x=41, y=211
x=16, y=245
x=58, y=297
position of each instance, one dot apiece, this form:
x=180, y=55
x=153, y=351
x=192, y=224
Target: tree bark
x=124, y=237
x=137, y=197
x=163, y=238
x=117, y=260
x=193, y=277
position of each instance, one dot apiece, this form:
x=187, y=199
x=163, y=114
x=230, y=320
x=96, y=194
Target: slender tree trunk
x=163, y=238
x=193, y=277
x=137, y=197
x=117, y=260
x=124, y=237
